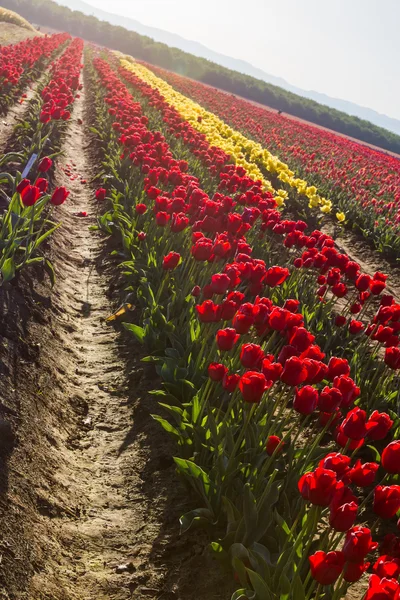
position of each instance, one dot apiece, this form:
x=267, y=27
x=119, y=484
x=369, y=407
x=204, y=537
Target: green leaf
x=377, y=456
x=298, y=591
x=200, y=517
x=167, y=426
x=8, y=269
x=249, y=514
x=48, y=267
x=284, y=588
x=242, y=595
x=260, y=586
x=45, y=235
x=137, y=331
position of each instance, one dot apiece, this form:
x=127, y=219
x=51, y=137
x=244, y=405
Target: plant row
x=363, y=184
x=21, y=64
x=271, y=428
x=29, y=196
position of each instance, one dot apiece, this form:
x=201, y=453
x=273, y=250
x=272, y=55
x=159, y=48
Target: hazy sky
x=348, y=49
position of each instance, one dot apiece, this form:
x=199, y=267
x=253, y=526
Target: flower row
x=243, y=151
x=27, y=222
x=362, y=182
x=18, y=60
x=243, y=429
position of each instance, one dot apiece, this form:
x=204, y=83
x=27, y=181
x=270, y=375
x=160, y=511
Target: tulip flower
x=391, y=458
x=386, y=500
x=45, y=164
x=357, y=544
x=171, y=261
x=216, y=371
x=59, y=196
x=252, y=386
x=326, y=567
x=101, y=194
x=226, y=339
x=363, y=475
x=251, y=356
x=319, y=486
x=30, y=195
x=273, y=442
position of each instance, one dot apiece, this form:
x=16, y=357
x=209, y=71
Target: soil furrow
x=98, y=509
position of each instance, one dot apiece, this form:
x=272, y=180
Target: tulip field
x=277, y=356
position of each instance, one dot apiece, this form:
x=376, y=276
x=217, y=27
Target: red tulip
x=42, y=184
x=392, y=358
x=230, y=382
x=220, y=283
x=326, y=567
x=306, y=399
x=391, y=458
x=319, y=486
x=338, y=366
x=329, y=399
x=251, y=356
x=387, y=566
x=208, y=312
x=45, y=164
x=378, y=426
x=363, y=475
x=353, y=571
x=171, y=261
x=273, y=442
x=337, y=462
x=382, y=589
x=301, y=339
x=354, y=425
x=340, y=321
x=349, y=390
x=386, y=500
x=217, y=371
x=355, y=327
x=59, y=196
x=294, y=371
x=343, y=510
x=252, y=386
x=276, y=276
x=22, y=185
x=271, y=370
x=357, y=544
x=140, y=208
x=30, y=195
x=226, y=339
x=363, y=282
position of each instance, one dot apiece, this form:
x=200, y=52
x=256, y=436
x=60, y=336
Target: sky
x=348, y=49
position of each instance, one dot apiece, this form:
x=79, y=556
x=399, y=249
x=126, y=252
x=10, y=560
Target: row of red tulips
x=243, y=432
x=363, y=183
x=20, y=64
x=335, y=276
x=27, y=220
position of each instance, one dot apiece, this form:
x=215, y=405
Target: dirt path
x=15, y=112
x=91, y=504
x=369, y=259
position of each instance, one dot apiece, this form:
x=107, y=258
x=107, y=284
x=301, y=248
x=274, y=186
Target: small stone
x=128, y=568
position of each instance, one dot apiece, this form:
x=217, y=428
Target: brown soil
x=12, y=34
x=89, y=496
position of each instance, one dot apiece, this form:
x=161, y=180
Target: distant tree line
x=50, y=14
